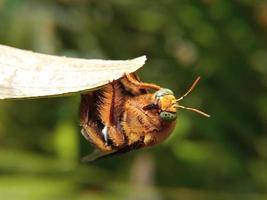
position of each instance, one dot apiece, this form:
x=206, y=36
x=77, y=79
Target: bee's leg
x=116, y=136
x=92, y=133
x=90, y=130
x=110, y=110
x=149, y=140
x=133, y=82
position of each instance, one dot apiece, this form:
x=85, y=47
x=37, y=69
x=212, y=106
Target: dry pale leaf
x=25, y=74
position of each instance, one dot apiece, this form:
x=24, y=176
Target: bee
x=127, y=114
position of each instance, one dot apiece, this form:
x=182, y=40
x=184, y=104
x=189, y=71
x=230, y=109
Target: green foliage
x=223, y=157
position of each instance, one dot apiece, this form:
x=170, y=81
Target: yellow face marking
x=168, y=103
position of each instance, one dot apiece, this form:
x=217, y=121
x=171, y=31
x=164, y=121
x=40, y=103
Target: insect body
x=123, y=115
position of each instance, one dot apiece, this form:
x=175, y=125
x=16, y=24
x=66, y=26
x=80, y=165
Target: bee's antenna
x=188, y=92
x=194, y=110
x=190, y=89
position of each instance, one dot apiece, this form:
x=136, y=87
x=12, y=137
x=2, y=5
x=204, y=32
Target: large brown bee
x=124, y=115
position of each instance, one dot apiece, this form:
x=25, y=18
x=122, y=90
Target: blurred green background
x=224, y=157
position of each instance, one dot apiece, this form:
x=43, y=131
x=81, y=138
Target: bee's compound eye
x=163, y=92
x=168, y=116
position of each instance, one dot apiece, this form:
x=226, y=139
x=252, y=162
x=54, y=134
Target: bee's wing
x=25, y=74
x=95, y=155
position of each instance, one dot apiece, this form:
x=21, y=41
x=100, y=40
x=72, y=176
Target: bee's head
x=166, y=102
x=168, y=105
